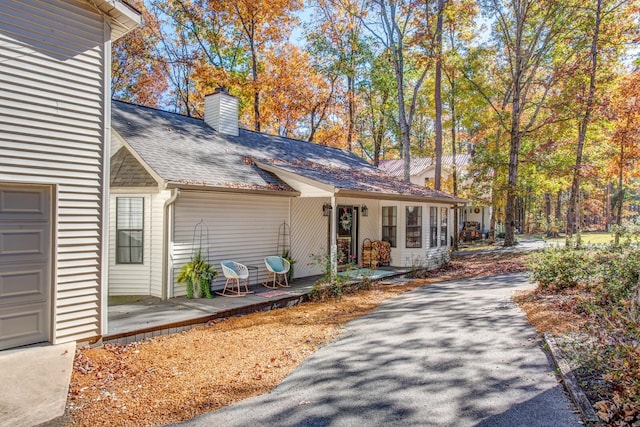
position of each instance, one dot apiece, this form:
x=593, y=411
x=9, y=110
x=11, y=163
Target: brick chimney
x=221, y=111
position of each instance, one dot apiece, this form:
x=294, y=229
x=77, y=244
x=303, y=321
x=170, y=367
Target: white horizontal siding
x=52, y=56
x=156, y=236
x=309, y=234
x=46, y=145
x=129, y=279
x=241, y=227
x=145, y=278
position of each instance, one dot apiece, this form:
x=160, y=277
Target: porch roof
x=364, y=183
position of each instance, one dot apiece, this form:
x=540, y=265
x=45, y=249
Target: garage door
x=25, y=275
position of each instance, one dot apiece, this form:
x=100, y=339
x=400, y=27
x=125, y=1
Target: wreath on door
x=477, y=210
x=345, y=220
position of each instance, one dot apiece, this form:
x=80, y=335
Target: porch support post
x=334, y=236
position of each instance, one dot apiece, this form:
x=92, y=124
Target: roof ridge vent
x=221, y=111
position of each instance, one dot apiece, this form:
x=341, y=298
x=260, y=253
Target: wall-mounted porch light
x=365, y=210
x=326, y=209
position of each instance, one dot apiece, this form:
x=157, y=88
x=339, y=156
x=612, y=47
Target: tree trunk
x=620, y=197
x=351, y=107
x=607, y=207
x=575, y=185
x=547, y=213
x=635, y=304
x=512, y=179
x=492, y=224
x=377, y=144
x=558, y=213
x=456, y=233
x=438, y=99
x=256, y=92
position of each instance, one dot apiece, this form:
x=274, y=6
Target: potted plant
x=197, y=275
x=287, y=255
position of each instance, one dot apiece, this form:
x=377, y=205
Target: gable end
x=126, y=171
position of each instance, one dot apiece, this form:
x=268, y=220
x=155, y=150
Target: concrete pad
x=35, y=382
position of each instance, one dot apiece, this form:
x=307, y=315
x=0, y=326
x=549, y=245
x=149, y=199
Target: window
x=389, y=224
x=444, y=222
x=129, y=229
x=433, y=227
x=414, y=227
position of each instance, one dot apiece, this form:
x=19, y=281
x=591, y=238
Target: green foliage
x=616, y=273
x=626, y=235
x=197, y=275
x=322, y=260
x=611, y=298
x=287, y=255
x=558, y=267
x=331, y=285
x=322, y=291
x=610, y=272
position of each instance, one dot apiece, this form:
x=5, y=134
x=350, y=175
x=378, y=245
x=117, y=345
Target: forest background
x=545, y=94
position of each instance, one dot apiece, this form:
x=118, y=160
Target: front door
x=347, y=235
x=25, y=253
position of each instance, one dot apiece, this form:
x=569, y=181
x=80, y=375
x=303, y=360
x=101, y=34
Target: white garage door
x=25, y=275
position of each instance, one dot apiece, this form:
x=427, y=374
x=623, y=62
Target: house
x=474, y=219
x=54, y=122
x=180, y=185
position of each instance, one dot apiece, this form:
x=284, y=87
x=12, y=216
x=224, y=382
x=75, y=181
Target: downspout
x=103, y=288
x=334, y=236
x=166, y=242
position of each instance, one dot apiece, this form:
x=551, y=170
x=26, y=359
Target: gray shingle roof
x=362, y=181
x=186, y=151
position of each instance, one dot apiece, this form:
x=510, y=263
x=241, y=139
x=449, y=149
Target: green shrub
x=329, y=285
x=610, y=272
x=559, y=267
x=616, y=273
x=322, y=291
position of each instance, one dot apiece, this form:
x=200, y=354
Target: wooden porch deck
x=135, y=318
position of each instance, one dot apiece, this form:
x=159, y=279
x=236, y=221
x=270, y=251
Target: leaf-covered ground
x=603, y=355
x=176, y=377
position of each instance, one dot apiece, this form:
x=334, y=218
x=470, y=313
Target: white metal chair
x=234, y=272
x=276, y=267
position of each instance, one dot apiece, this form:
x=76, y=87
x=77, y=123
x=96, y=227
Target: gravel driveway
x=457, y=353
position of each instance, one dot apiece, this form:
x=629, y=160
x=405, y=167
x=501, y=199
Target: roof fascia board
x=121, y=190
x=399, y=197
x=284, y=174
x=209, y=188
x=120, y=14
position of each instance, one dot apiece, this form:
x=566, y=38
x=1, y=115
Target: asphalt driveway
x=458, y=353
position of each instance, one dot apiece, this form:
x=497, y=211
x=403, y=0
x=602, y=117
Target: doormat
x=270, y=294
